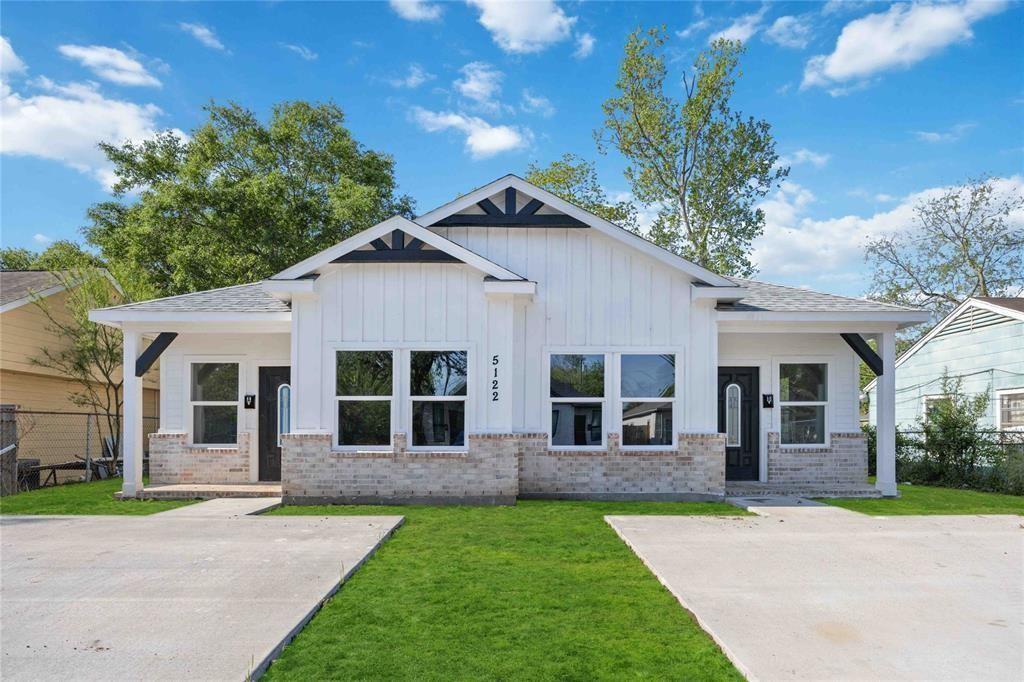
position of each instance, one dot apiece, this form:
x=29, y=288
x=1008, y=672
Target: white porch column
x=885, y=417
x=131, y=421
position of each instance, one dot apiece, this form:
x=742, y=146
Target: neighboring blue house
x=981, y=341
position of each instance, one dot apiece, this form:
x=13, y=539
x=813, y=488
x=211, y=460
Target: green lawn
x=96, y=497
x=921, y=499
x=538, y=591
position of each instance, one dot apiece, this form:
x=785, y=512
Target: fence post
x=88, y=448
x=9, y=457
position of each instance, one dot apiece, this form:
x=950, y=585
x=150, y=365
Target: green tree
x=60, y=255
x=239, y=199
x=574, y=179
x=700, y=161
x=962, y=244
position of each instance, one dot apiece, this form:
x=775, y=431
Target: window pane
x=647, y=423
x=363, y=372
x=438, y=422
x=364, y=422
x=803, y=383
x=576, y=423
x=803, y=424
x=648, y=376
x=733, y=394
x=438, y=373
x=1011, y=406
x=577, y=376
x=214, y=381
x=215, y=424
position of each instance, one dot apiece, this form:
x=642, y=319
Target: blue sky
x=875, y=105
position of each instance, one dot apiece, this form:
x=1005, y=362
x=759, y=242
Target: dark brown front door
x=271, y=379
x=738, y=412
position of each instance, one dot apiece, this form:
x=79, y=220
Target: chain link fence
x=54, y=448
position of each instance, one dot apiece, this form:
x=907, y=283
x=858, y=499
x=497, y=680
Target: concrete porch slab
x=167, y=597
x=759, y=489
x=208, y=491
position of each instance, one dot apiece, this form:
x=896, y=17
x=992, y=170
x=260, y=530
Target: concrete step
x=205, y=491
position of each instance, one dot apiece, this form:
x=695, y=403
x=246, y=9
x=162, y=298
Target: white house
x=508, y=344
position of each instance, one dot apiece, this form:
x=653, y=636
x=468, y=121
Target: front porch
x=753, y=489
x=206, y=491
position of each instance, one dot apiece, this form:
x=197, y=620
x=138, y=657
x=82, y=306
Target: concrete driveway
x=824, y=593
x=197, y=593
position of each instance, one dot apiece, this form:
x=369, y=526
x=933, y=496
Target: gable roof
x=1010, y=308
x=765, y=297
x=594, y=221
x=411, y=229
x=18, y=287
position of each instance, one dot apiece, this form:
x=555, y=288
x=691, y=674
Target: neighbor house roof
x=765, y=297
x=242, y=298
x=17, y=287
x=1005, y=309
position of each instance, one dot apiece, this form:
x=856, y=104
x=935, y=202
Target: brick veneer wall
x=486, y=473
x=844, y=462
x=173, y=460
x=695, y=469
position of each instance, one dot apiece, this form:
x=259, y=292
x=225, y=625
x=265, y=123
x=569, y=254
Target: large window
x=364, y=388
x=213, y=397
x=1011, y=409
x=803, y=401
x=437, y=387
x=577, y=400
x=648, y=385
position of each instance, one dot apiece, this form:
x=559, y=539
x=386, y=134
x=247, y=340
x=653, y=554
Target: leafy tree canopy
x=239, y=199
x=60, y=255
x=574, y=179
x=704, y=164
x=963, y=243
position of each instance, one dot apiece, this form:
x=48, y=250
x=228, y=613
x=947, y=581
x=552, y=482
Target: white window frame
x=620, y=400
x=190, y=404
x=393, y=398
x=999, y=409
x=409, y=398
x=931, y=396
x=829, y=392
x=603, y=401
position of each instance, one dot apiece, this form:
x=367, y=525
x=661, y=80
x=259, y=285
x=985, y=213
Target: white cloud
x=42, y=239
x=416, y=10
x=898, y=38
x=794, y=244
x=951, y=135
x=9, y=61
x=695, y=27
x=480, y=83
x=790, y=31
x=584, y=45
x=483, y=140
x=204, y=34
x=110, y=64
x=524, y=27
x=302, y=51
x=802, y=156
x=885, y=198
x=65, y=123
x=537, y=104
x=415, y=77
x=743, y=27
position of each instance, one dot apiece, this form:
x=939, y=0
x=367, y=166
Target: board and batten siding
x=990, y=358
x=592, y=294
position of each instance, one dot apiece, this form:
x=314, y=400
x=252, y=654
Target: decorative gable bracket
x=493, y=216
x=399, y=251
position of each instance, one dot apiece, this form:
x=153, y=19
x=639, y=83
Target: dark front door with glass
x=271, y=379
x=738, y=412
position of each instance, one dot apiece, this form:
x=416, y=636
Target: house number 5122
x=494, y=379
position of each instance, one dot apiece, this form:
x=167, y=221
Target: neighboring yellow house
x=36, y=391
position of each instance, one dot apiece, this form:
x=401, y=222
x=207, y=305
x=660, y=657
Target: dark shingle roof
x=761, y=296
x=242, y=298
x=15, y=284
x=1011, y=303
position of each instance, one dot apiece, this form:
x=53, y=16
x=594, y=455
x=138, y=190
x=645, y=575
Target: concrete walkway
x=204, y=592
x=817, y=592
